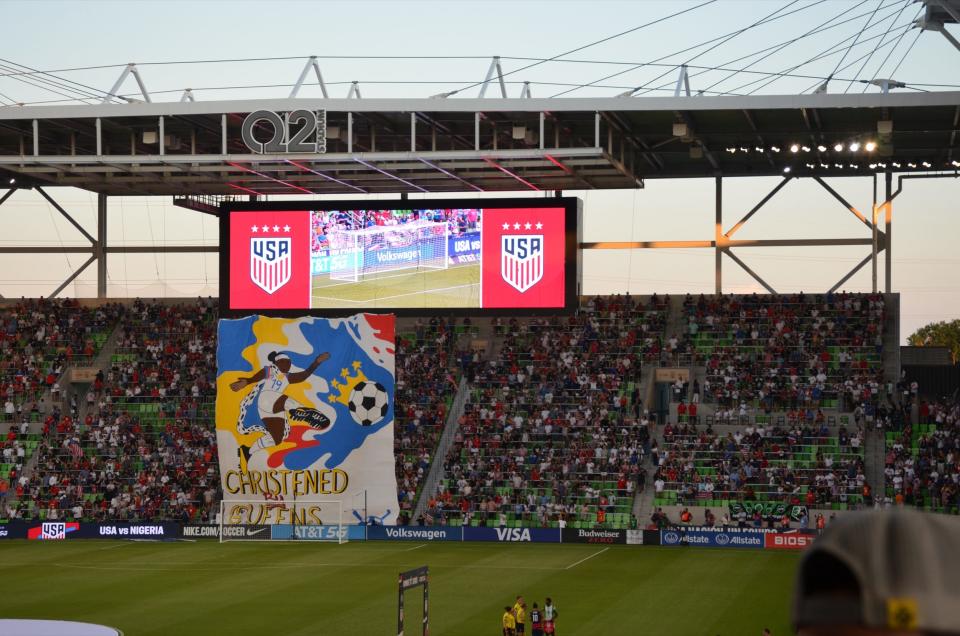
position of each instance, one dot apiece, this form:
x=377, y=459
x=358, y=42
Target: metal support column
x=873, y=244
x=717, y=233
x=888, y=229
x=100, y=247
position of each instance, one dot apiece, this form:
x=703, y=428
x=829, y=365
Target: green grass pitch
x=456, y=286
x=351, y=589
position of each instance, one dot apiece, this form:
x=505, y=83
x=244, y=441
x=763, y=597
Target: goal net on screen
x=259, y=520
x=420, y=245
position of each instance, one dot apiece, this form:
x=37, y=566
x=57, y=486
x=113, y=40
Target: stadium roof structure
x=472, y=145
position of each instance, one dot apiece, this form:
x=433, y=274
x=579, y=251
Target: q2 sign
x=296, y=131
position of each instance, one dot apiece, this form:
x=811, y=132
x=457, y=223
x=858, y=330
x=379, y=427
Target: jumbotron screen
x=341, y=257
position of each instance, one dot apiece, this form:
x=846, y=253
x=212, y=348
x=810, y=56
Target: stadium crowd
x=785, y=352
x=922, y=464
x=800, y=464
x=553, y=434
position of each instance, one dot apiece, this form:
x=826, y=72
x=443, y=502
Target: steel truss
x=723, y=243
x=98, y=248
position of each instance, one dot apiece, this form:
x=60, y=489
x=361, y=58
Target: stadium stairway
x=443, y=447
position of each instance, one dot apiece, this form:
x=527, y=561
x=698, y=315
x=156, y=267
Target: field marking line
x=423, y=292
x=587, y=558
x=111, y=547
x=415, y=547
x=168, y=568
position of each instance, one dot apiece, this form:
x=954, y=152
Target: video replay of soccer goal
x=332, y=257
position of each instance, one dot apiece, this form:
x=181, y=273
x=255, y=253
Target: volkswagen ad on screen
x=456, y=256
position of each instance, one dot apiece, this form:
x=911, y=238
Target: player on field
x=274, y=408
x=549, y=617
x=509, y=622
x=536, y=621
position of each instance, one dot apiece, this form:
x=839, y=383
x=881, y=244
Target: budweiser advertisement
x=458, y=256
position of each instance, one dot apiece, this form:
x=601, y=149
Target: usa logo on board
x=270, y=262
x=521, y=263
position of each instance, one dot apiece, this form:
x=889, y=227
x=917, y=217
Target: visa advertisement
x=327, y=258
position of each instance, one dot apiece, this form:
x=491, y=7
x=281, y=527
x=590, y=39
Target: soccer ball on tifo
x=368, y=403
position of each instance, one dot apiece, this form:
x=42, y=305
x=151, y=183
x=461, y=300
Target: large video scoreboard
x=464, y=256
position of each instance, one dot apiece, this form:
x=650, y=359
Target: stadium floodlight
x=805, y=148
x=838, y=147
x=775, y=148
x=12, y=181
x=873, y=166
x=821, y=148
x=838, y=165
x=786, y=170
x=882, y=165
x=855, y=146
x=758, y=148
x=895, y=164
x=794, y=148
x=824, y=165
x=911, y=165
x=732, y=149
x=420, y=245
x=870, y=146
x=744, y=149
x=926, y=164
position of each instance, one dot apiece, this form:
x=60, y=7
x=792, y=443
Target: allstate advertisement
x=713, y=538
x=513, y=535
x=304, y=419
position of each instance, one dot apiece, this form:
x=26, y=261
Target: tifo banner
x=512, y=535
x=767, y=509
x=305, y=416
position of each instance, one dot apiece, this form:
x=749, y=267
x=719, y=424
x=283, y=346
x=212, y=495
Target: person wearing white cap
x=273, y=405
x=885, y=572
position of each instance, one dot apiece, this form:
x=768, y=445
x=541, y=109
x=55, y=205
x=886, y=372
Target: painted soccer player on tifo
x=274, y=408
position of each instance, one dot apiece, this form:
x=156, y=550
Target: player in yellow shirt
x=509, y=622
x=520, y=611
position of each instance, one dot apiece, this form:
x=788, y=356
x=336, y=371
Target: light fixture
x=731, y=150
x=882, y=165
x=838, y=165
x=805, y=148
x=794, y=148
x=811, y=166
x=855, y=146
x=12, y=181
x=925, y=164
x=895, y=165
x=911, y=165
x=821, y=148
x=955, y=164
x=872, y=166
x=743, y=149
x=786, y=170
x=775, y=148
x=824, y=165
x=870, y=146
x=838, y=148
x=758, y=148
x=853, y=166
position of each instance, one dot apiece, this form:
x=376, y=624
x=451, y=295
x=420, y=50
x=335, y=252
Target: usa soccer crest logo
x=521, y=262
x=270, y=262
